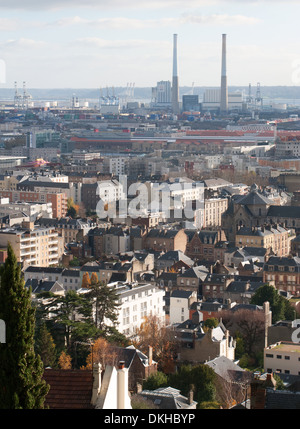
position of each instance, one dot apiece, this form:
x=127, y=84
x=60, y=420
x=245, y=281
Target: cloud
x=22, y=43
x=112, y=4
x=99, y=4
x=117, y=44
x=125, y=23
x=9, y=24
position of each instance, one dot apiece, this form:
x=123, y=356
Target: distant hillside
x=278, y=92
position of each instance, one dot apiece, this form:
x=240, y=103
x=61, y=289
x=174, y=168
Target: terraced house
x=284, y=273
x=274, y=237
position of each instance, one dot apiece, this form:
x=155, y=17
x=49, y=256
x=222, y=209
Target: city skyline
x=69, y=45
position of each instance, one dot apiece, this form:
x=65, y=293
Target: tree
x=102, y=352
x=200, y=378
x=45, y=346
x=65, y=361
x=94, y=279
x=153, y=332
x=72, y=208
x=155, y=381
x=106, y=304
x=251, y=326
x=211, y=323
x=280, y=306
x=71, y=317
x=21, y=370
x=86, y=281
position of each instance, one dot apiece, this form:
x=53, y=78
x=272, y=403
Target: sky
x=111, y=43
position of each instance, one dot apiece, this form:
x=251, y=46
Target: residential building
x=33, y=245
x=197, y=346
x=271, y=237
x=164, y=240
x=69, y=278
x=283, y=358
x=215, y=285
x=137, y=301
x=169, y=398
x=191, y=279
x=180, y=303
x=57, y=199
x=32, y=210
x=213, y=210
x=72, y=230
x=201, y=244
x=172, y=258
x=284, y=273
x=90, y=389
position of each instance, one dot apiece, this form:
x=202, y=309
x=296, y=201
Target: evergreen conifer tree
x=21, y=370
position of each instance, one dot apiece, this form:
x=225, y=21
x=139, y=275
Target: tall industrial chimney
x=175, y=86
x=224, y=88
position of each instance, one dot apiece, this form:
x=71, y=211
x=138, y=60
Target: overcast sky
x=105, y=43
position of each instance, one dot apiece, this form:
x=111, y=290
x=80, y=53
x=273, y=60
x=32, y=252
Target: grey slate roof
x=282, y=400
x=181, y=294
x=254, y=198
x=167, y=398
x=284, y=211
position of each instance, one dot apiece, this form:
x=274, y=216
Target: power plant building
x=162, y=94
x=212, y=100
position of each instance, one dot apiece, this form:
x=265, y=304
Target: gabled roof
x=228, y=370
x=175, y=255
x=167, y=398
x=48, y=270
x=39, y=286
x=69, y=389
x=162, y=233
x=243, y=286
x=254, y=198
x=284, y=211
x=181, y=294
x=195, y=272
x=282, y=400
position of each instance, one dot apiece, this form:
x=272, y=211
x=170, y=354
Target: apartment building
x=164, y=240
x=284, y=273
x=180, y=304
x=8, y=182
x=274, y=237
x=282, y=357
x=33, y=211
x=69, y=278
x=213, y=210
x=202, y=244
x=138, y=301
x=55, y=185
x=71, y=230
x=33, y=245
x=58, y=200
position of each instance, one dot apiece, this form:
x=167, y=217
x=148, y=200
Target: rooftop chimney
x=97, y=369
x=175, y=86
x=150, y=355
x=224, y=88
x=123, y=400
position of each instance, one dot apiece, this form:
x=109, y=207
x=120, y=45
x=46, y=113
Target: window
x=278, y=356
x=268, y=355
x=287, y=357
